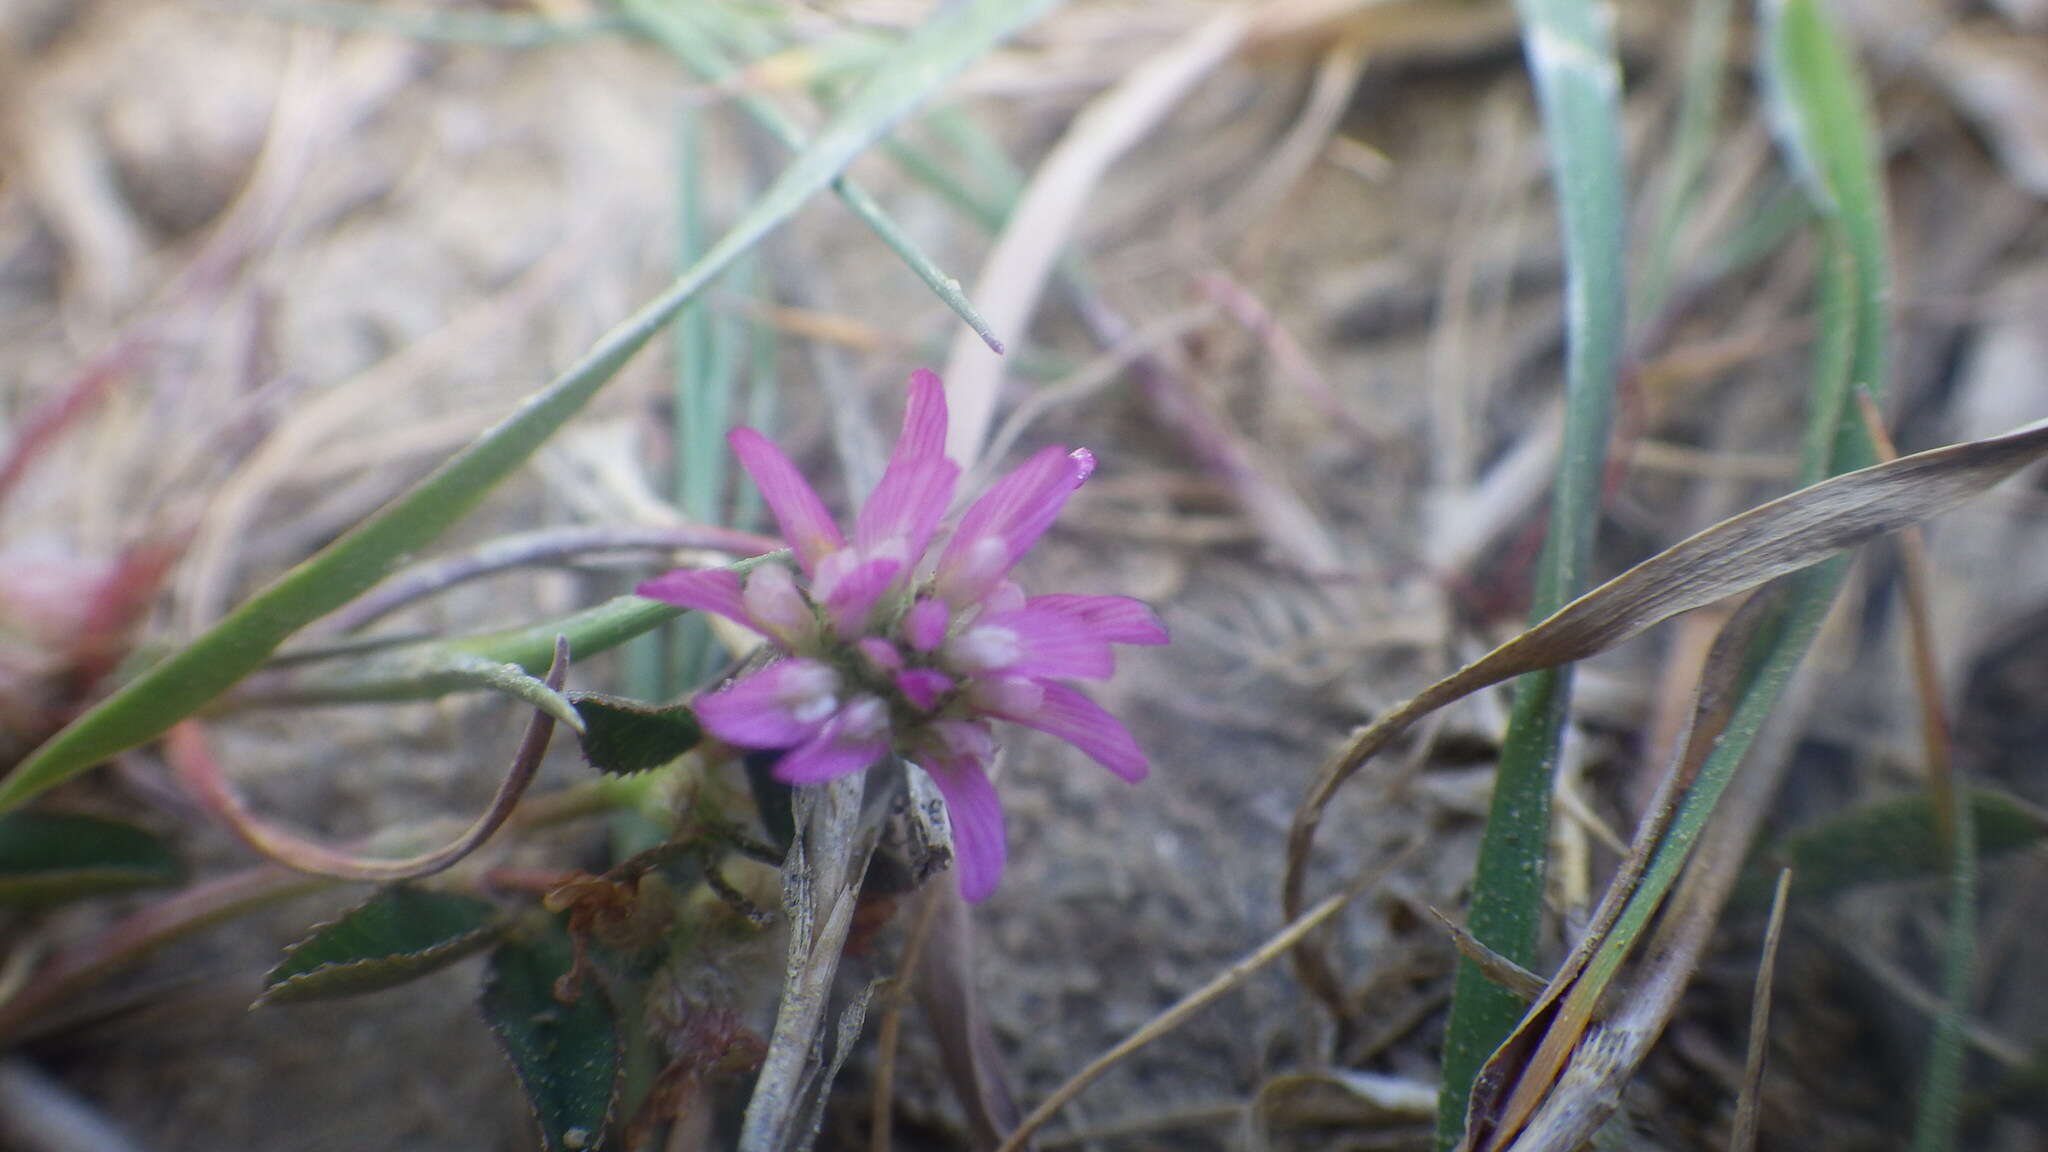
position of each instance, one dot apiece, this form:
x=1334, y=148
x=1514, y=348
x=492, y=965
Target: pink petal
x=1072, y=717
x=976, y=814
x=1007, y=596
x=856, y=737
x=925, y=624
x=924, y=419
x=777, y=608
x=854, y=595
x=917, y=486
x=779, y=706
x=957, y=739
x=809, y=528
x=879, y=653
x=923, y=687
x=906, y=507
x=1117, y=619
x=1006, y=696
x=703, y=590
x=1007, y=520
x=1035, y=643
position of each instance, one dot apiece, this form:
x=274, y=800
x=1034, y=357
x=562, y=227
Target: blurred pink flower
x=896, y=641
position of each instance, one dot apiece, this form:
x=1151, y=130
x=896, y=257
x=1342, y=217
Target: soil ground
x=335, y=257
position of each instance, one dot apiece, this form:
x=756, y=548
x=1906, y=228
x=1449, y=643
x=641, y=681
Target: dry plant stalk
x=1749, y=1102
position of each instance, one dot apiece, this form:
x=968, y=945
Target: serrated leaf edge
x=611, y=1104
x=283, y=991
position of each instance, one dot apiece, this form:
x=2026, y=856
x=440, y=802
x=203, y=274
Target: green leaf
x=1886, y=843
x=566, y=1054
x=47, y=857
x=424, y=670
x=1820, y=110
x=624, y=736
x=397, y=936
x=182, y=683
x=1571, y=54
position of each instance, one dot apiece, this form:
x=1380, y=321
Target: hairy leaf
x=50, y=856
x=624, y=736
x=565, y=1052
x=395, y=937
x=1889, y=842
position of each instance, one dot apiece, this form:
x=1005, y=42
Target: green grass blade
x=672, y=27
x=1821, y=114
x=428, y=669
x=702, y=410
x=1699, y=115
x=183, y=682
x=1941, y=1088
x=1825, y=132
x=1817, y=103
x=1578, y=85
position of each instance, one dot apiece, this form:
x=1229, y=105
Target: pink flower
x=900, y=641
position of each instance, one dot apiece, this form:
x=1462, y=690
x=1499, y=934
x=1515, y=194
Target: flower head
x=906, y=640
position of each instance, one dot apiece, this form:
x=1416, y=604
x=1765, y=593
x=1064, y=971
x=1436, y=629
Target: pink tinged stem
x=1008, y=519
x=976, y=815
x=1117, y=619
x=1066, y=713
x=702, y=590
x=805, y=523
x=856, y=737
x=780, y=706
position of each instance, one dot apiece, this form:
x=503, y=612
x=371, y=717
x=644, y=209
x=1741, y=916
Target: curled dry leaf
x=1734, y=556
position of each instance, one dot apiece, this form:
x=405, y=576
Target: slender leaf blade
x=1570, y=49
x=46, y=857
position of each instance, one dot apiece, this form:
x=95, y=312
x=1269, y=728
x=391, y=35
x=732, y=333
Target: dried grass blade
x=1533, y=1057
x=1588, y=1089
x=945, y=987
x=671, y=27
x=1525, y=985
x=1200, y=998
x=1015, y=273
x=1749, y=1101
